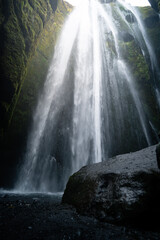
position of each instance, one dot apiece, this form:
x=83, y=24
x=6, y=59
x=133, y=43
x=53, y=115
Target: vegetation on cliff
x=36, y=71
x=21, y=27
x=152, y=24
x=29, y=29
x=140, y=67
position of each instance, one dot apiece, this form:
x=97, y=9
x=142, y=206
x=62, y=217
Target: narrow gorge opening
x=92, y=106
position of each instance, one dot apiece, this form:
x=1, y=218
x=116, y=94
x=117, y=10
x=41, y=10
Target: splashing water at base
x=89, y=109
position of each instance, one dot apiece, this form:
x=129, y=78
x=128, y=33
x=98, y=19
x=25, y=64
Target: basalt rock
x=28, y=31
x=130, y=18
x=152, y=21
x=22, y=24
x=121, y=189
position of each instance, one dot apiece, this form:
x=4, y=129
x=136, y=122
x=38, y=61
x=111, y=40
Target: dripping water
x=89, y=109
x=145, y=42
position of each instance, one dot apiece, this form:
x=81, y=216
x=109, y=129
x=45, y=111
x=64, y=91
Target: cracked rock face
x=117, y=190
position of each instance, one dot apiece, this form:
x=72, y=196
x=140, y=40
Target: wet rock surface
x=125, y=189
x=130, y=18
x=42, y=216
x=152, y=21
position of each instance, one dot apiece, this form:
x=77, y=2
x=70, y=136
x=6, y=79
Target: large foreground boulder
x=121, y=189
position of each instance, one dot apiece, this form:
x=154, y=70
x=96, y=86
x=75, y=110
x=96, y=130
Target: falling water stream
x=143, y=37
x=90, y=108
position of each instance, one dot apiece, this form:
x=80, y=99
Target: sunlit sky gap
x=132, y=2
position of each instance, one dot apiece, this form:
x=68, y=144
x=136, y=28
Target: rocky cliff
x=22, y=25
x=28, y=30
x=141, y=68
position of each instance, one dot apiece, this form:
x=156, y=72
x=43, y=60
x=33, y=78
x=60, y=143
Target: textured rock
x=37, y=70
x=139, y=66
x=21, y=25
x=130, y=18
x=152, y=21
x=152, y=24
x=28, y=30
x=120, y=189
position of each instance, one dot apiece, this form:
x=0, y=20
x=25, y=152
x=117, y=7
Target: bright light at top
x=132, y=2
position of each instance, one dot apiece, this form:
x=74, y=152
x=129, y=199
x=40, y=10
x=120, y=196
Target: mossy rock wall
x=151, y=22
x=132, y=53
x=29, y=30
x=21, y=25
x=36, y=71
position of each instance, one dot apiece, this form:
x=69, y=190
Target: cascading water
x=89, y=109
x=142, y=37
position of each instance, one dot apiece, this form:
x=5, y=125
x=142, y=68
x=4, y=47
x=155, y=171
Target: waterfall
x=90, y=108
x=142, y=36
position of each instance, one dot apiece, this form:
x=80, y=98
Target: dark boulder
x=119, y=190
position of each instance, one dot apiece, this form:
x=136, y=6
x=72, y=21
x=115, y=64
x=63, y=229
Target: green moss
x=146, y=11
x=36, y=72
x=21, y=25
x=134, y=57
x=142, y=76
x=154, y=35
